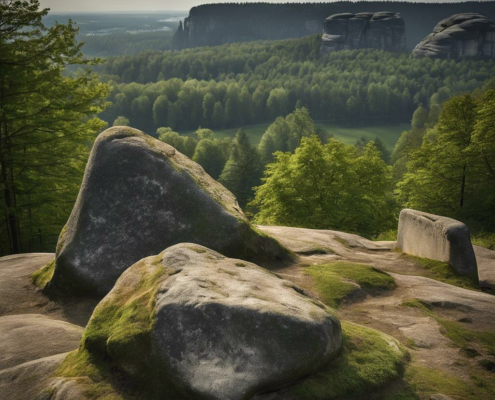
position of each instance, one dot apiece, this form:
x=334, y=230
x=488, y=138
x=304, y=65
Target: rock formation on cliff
x=215, y=24
x=381, y=30
x=467, y=35
x=139, y=196
x=191, y=323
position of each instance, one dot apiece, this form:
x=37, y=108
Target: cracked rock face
x=348, y=31
x=221, y=328
x=139, y=196
x=467, y=35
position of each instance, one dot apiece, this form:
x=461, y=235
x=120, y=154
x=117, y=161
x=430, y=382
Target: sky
x=142, y=5
x=133, y=5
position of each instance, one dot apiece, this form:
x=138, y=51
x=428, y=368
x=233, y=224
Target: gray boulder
x=467, y=35
x=191, y=323
x=347, y=31
x=438, y=238
x=139, y=196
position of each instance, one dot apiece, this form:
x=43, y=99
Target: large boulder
x=438, y=238
x=468, y=35
x=347, y=31
x=139, y=196
x=191, y=323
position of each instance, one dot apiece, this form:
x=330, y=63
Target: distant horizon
x=175, y=6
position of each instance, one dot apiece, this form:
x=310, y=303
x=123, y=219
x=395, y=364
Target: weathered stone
x=381, y=30
x=139, y=196
x=438, y=238
x=191, y=323
x=467, y=35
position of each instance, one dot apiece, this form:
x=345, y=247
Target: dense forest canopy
x=249, y=83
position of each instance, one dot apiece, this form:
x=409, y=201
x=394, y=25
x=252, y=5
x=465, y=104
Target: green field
x=389, y=133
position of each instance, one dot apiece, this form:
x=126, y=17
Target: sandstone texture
x=219, y=328
x=467, y=35
x=139, y=196
x=347, y=31
x=485, y=259
x=438, y=238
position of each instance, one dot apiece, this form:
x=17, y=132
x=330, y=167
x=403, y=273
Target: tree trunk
x=463, y=186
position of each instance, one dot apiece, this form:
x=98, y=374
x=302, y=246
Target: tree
x=277, y=103
x=243, y=169
x=451, y=173
x=47, y=122
x=121, y=121
x=210, y=156
x=204, y=134
x=184, y=144
x=420, y=118
x=218, y=117
x=160, y=110
x=326, y=186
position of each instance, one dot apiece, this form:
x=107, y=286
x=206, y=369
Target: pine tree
x=47, y=122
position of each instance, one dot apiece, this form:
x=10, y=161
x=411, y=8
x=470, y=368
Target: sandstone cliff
x=381, y=30
x=460, y=36
x=215, y=24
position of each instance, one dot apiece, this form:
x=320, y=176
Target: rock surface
x=438, y=238
x=348, y=31
x=468, y=35
x=222, y=328
x=139, y=196
x=485, y=259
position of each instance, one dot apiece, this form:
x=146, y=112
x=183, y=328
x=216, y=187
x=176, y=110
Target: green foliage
x=443, y=272
x=47, y=125
x=209, y=154
x=332, y=280
x=452, y=173
x=369, y=360
x=44, y=275
x=484, y=239
x=243, y=169
x=121, y=121
x=250, y=83
x=326, y=186
x=184, y=144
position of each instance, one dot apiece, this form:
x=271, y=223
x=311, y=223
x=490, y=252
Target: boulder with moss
x=139, y=196
x=438, y=238
x=192, y=323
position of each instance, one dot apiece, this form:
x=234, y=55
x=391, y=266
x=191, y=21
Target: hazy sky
x=133, y=5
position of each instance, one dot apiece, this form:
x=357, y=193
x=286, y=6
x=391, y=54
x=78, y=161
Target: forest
x=285, y=83
x=250, y=83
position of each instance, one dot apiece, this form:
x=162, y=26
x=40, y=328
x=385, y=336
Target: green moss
x=93, y=377
x=332, y=289
x=461, y=336
x=484, y=239
x=389, y=236
x=342, y=241
x=44, y=275
x=118, y=335
x=369, y=360
x=427, y=381
x=443, y=272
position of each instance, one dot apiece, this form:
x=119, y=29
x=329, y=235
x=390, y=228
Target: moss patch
x=443, y=272
x=461, y=336
x=44, y=275
x=116, y=338
x=369, y=360
x=330, y=284
x=342, y=241
x=425, y=381
x=485, y=239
